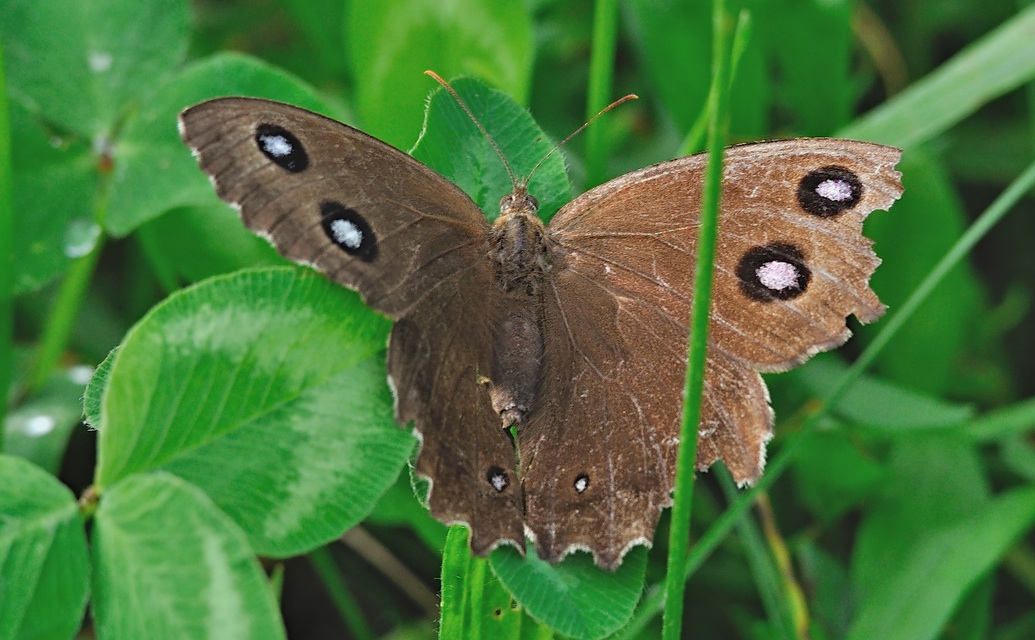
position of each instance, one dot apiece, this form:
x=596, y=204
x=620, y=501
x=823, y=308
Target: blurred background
x=873, y=511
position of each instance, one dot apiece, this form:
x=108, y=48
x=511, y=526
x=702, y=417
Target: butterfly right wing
x=598, y=448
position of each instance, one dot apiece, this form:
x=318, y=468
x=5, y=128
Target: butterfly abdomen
x=520, y=255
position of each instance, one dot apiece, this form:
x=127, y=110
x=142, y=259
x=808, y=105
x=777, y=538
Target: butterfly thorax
x=521, y=257
x=519, y=246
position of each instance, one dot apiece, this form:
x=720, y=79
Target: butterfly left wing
x=325, y=194
x=791, y=265
x=415, y=246
x=436, y=362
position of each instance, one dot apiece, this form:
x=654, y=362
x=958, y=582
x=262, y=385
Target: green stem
x=694, y=139
x=601, y=80
x=58, y=327
x=655, y=600
x=455, y=579
x=347, y=606
x=679, y=535
x=6, y=251
x=763, y=565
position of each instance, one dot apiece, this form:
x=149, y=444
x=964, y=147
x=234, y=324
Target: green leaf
x=75, y=71
x=38, y=428
x=831, y=474
x=155, y=171
x=202, y=241
x=829, y=588
x=267, y=390
x=1004, y=422
x=878, y=404
x=574, y=597
x=44, y=563
x=917, y=597
x=478, y=170
x=391, y=44
x=50, y=229
x=914, y=504
x=927, y=354
x=675, y=40
x=456, y=563
x=400, y=507
x=6, y=247
x=475, y=604
x=82, y=65
x=1018, y=456
x=322, y=24
x=169, y=564
x=997, y=63
x=818, y=89
x=93, y=397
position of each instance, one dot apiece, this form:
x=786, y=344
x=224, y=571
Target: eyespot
x=828, y=191
x=581, y=482
x=281, y=147
x=349, y=231
x=773, y=272
x=497, y=477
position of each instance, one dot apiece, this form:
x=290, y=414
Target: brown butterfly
x=575, y=333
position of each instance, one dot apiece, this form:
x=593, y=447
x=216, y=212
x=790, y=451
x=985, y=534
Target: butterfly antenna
x=623, y=99
x=506, y=165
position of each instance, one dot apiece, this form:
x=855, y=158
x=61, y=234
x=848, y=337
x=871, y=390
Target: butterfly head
x=518, y=201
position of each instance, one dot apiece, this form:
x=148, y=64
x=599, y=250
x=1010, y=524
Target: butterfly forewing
x=368, y=215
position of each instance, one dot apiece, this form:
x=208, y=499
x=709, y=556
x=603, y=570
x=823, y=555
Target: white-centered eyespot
x=581, y=482
x=497, y=477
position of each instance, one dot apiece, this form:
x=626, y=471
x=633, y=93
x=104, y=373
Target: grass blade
x=679, y=535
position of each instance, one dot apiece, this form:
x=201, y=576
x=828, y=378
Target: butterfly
x=542, y=366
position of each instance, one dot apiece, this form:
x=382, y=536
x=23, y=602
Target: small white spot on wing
x=347, y=234
x=276, y=146
x=834, y=190
x=498, y=481
x=777, y=275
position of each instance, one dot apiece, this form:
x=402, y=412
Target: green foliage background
x=225, y=433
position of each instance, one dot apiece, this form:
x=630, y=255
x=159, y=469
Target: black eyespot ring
x=829, y=191
x=497, y=478
x=281, y=147
x=348, y=230
x=751, y=282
